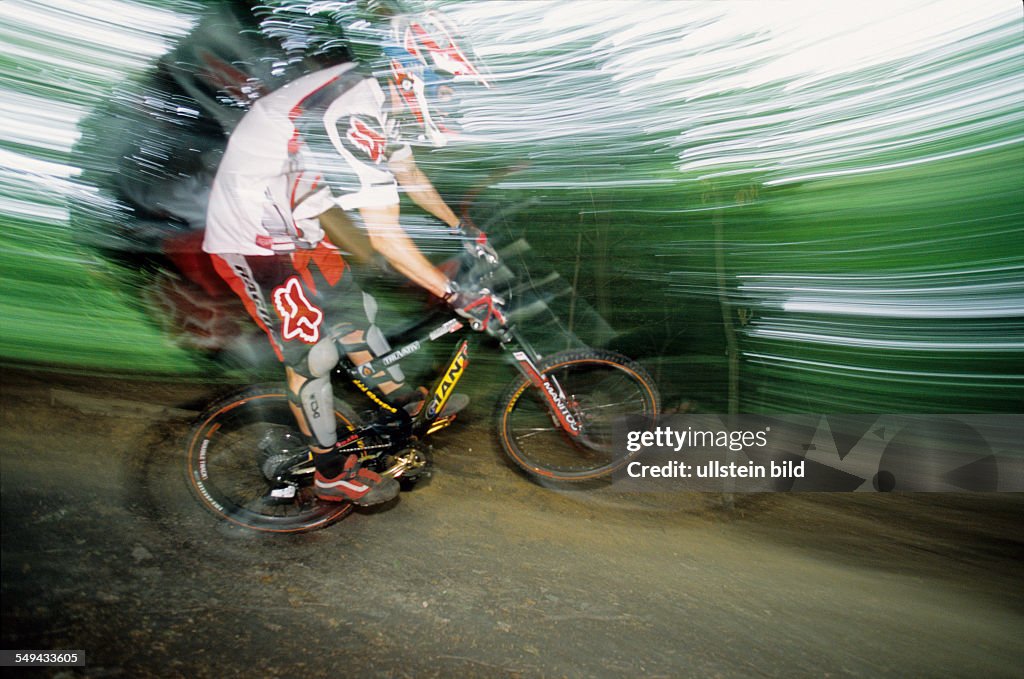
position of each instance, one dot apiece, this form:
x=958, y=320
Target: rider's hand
x=482, y=309
x=476, y=243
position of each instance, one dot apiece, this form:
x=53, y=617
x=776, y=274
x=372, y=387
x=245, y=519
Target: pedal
x=286, y=493
x=280, y=496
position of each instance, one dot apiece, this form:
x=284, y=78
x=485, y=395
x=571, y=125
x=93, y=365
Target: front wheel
x=234, y=452
x=601, y=387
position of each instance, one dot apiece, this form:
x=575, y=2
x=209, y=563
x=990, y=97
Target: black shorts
x=297, y=297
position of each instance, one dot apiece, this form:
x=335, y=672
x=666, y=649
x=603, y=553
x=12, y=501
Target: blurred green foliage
x=766, y=248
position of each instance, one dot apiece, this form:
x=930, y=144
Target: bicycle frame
x=431, y=417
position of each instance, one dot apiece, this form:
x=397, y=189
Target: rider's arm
x=419, y=188
x=389, y=239
x=422, y=192
x=346, y=235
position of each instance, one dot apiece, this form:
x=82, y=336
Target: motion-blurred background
x=776, y=207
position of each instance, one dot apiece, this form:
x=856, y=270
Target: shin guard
x=317, y=399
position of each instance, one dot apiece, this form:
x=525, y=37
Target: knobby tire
x=224, y=458
x=602, y=387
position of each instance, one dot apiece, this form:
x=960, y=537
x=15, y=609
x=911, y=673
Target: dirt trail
x=479, y=572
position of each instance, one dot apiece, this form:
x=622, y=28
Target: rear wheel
x=602, y=387
x=237, y=447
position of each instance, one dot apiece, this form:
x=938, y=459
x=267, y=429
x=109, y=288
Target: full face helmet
x=423, y=72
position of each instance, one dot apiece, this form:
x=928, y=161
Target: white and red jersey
x=319, y=141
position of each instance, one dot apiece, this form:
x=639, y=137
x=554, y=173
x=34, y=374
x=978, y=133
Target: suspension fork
x=527, y=362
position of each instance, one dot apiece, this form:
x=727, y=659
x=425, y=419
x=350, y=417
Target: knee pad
x=317, y=399
x=370, y=307
x=322, y=357
x=376, y=340
x=380, y=346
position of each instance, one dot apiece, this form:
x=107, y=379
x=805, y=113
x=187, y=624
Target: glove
x=483, y=310
x=476, y=243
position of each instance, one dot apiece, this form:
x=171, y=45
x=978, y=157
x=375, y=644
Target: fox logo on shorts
x=301, y=319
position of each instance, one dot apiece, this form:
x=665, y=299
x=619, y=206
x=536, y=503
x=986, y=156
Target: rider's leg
x=312, y=399
x=358, y=351
x=266, y=282
x=362, y=345
x=338, y=476
x=309, y=381
x=311, y=395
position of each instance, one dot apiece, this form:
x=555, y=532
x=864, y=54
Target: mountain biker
x=327, y=143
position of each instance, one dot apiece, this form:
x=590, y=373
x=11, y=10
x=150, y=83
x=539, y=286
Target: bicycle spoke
x=600, y=389
x=227, y=459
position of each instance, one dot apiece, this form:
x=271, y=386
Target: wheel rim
x=227, y=468
x=600, y=393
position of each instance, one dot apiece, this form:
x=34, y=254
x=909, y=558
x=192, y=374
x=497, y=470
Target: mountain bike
x=248, y=463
